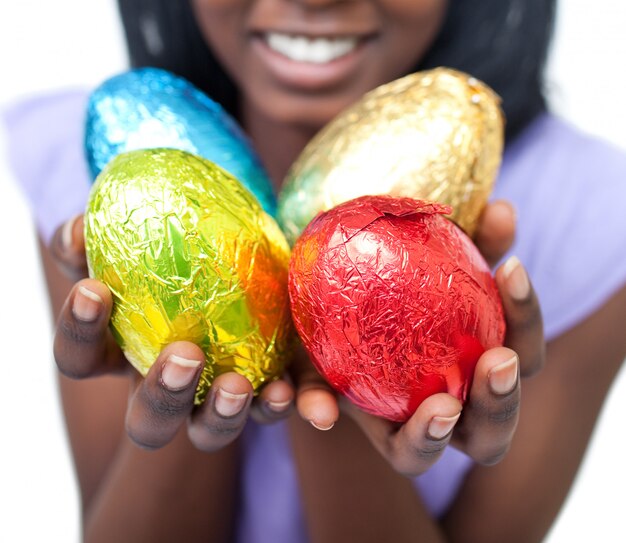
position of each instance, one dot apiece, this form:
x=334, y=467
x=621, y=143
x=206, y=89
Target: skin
x=395, y=35
x=151, y=445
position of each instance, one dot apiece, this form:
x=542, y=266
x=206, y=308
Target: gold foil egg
x=432, y=135
x=189, y=254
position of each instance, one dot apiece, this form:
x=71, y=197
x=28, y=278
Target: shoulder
x=554, y=158
x=45, y=153
x=568, y=188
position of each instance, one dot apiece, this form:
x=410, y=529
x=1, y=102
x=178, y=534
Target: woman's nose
x=320, y=3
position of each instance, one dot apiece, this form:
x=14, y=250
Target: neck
x=277, y=144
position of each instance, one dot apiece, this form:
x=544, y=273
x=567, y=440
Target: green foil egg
x=189, y=254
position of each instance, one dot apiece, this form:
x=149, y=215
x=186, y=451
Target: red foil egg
x=393, y=303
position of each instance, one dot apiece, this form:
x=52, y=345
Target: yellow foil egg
x=189, y=254
x=433, y=135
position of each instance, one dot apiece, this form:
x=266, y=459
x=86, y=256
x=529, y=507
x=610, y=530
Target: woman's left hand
x=483, y=428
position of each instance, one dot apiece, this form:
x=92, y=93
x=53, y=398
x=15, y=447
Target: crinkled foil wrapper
x=433, y=135
x=149, y=108
x=393, y=303
x=189, y=254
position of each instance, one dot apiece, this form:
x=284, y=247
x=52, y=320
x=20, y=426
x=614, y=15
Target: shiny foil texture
x=148, y=108
x=434, y=135
x=189, y=254
x=393, y=303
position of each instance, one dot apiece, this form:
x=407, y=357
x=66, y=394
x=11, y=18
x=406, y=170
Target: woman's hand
x=484, y=426
x=162, y=402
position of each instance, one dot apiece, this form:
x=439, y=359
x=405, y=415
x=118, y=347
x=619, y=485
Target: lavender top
x=570, y=237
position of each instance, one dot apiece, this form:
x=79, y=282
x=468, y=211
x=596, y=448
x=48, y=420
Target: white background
x=73, y=42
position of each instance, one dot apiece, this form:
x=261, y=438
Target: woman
x=349, y=485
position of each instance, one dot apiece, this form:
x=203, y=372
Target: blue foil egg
x=148, y=108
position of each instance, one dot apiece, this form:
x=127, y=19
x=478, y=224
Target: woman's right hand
x=161, y=402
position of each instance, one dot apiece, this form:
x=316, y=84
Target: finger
x=222, y=416
x=491, y=413
x=68, y=248
x=83, y=344
x=315, y=400
x=413, y=447
x=275, y=402
x=496, y=230
x=523, y=316
x=164, y=399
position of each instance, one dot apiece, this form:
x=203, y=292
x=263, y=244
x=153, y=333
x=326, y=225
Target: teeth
x=317, y=51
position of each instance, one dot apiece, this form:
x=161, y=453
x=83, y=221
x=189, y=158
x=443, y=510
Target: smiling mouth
x=304, y=49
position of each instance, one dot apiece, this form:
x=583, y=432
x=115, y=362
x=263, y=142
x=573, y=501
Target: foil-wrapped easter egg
x=433, y=135
x=393, y=303
x=190, y=255
x=148, y=108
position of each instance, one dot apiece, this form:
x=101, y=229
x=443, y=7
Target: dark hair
x=502, y=42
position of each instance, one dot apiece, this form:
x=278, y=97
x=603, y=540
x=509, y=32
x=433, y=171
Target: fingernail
x=278, y=407
x=67, y=234
x=321, y=426
x=228, y=404
x=179, y=372
x=87, y=305
x=503, y=377
x=516, y=277
x=440, y=427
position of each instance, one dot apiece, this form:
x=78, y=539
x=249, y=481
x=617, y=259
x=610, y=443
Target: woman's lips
x=310, y=63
